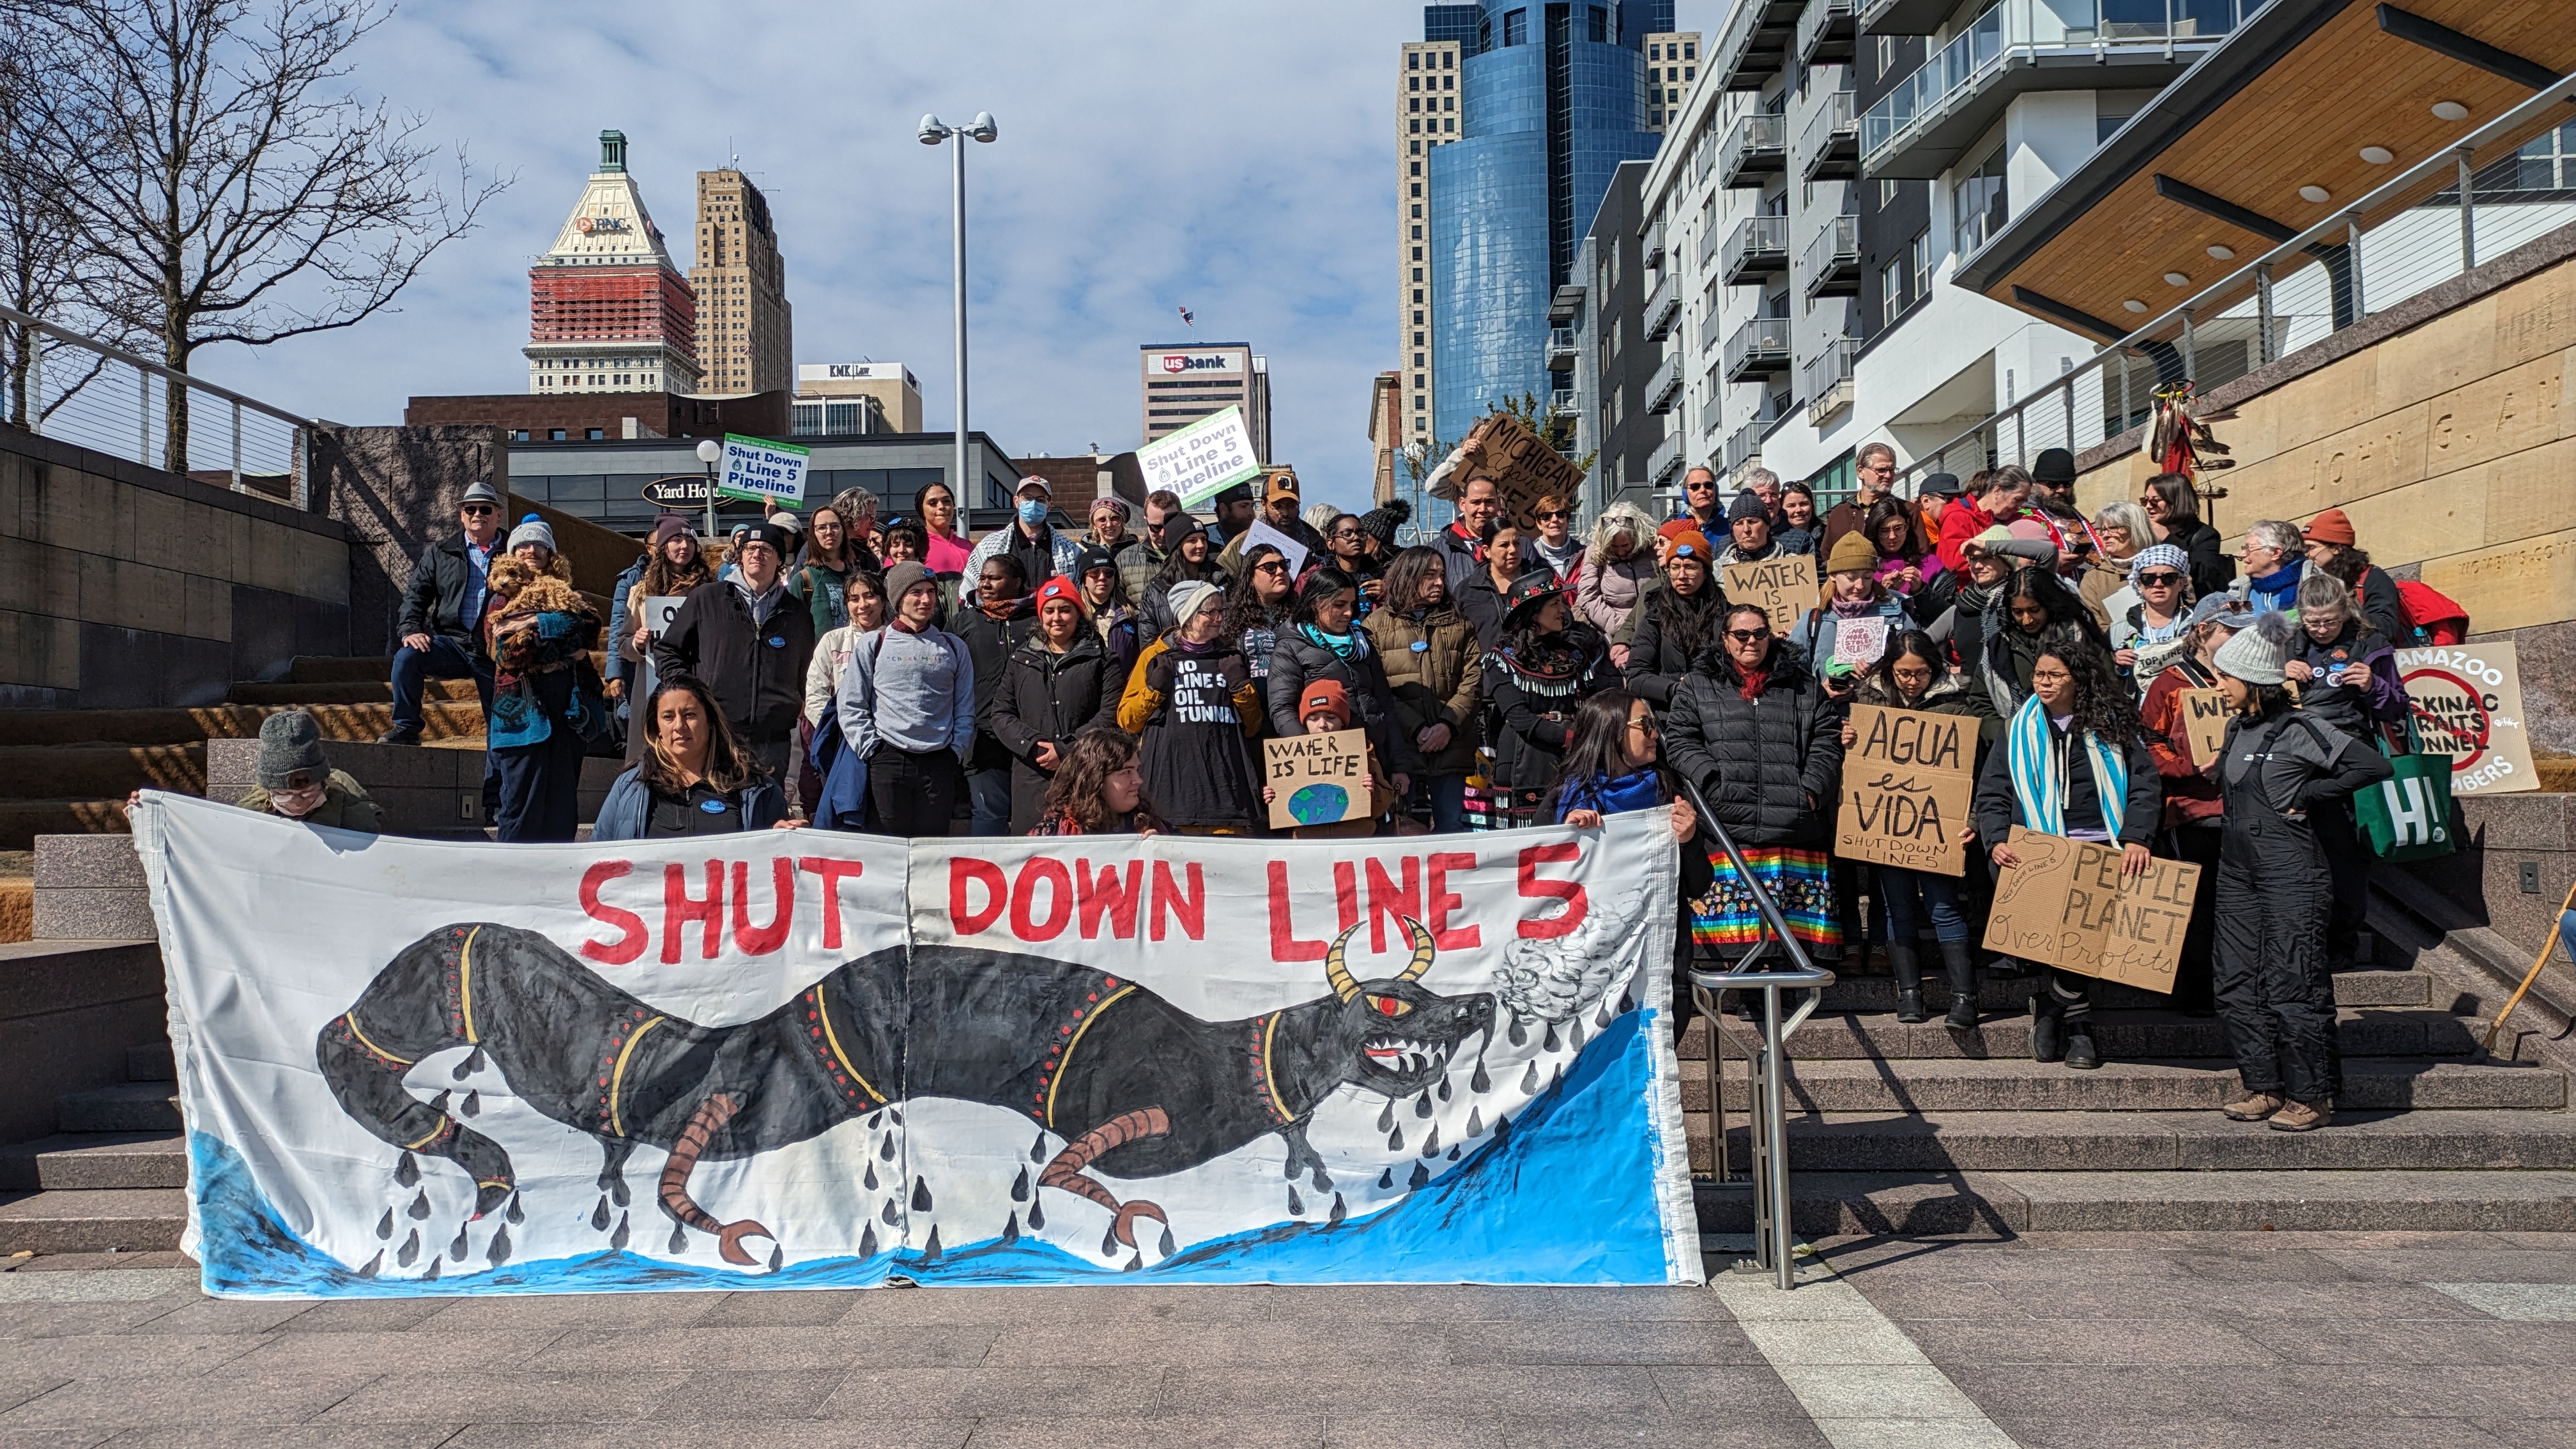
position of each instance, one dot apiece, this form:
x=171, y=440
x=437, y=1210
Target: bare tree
x=41, y=271
x=225, y=180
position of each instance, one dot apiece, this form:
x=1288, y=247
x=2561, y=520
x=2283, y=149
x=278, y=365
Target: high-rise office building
x=1186, y=381
x=1551, y=98
x=1426, y=118
x=607, y=310
x=746, y=331
x=1672, y=64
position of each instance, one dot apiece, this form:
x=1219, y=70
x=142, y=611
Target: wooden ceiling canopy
x=2368, y=76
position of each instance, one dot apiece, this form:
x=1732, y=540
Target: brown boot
x=2254, y=1106
x=2297, y=1116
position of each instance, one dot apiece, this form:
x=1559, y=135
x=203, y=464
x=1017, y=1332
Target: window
x=1599, y=25
x=1417, y=294
x=1448, y=83
x=1922, y=258
x=1891, y=293
x=1417, y=234
x=1413, y=60
x=1655, y=52
x=1886, y=193
x=1414, y=106
x=1414, y=84
x=1449, y=125
x=1417, y=339
x=1417, y=317
x=1515, y=27
x=1690, y=73
x=1417, y=148
x=1417, y=251
x=1417, y=168
x=1690, y=50
x=1448, y=58
x=1448, y=103
x=1977, y=203
x=1417, y=359
x=1886, y=55
x=1417, y=129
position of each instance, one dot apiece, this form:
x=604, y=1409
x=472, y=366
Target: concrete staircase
x=113, y=1177
x=1916, y=1129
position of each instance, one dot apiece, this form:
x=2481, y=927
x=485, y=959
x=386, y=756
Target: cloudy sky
x=1230, y=156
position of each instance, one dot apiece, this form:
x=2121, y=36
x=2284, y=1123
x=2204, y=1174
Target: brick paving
x=2429, y=1341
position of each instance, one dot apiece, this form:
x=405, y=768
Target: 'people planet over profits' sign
x=1201, y=460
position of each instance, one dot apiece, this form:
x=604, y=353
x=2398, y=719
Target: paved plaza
x=2412, y=1341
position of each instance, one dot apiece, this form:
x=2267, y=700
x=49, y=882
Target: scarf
x=1349, y=648
x=1857, y=608
x=2280, y=591
x=2039, y=773
x=1640, y=791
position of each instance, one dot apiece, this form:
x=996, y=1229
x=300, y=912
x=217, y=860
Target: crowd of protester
x=851, y=671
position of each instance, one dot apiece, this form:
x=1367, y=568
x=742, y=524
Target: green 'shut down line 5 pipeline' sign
x=1202, y=460
x=764, y=471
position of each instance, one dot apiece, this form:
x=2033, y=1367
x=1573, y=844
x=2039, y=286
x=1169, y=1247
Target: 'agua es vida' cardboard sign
x=2065, y=904
x=1907, y=779
x=1317, y=779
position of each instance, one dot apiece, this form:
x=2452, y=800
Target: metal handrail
x=166, y=374
x=1771, y=1130
x=2343, y=228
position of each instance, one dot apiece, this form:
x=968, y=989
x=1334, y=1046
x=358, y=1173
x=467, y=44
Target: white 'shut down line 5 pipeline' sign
x=802, y=1060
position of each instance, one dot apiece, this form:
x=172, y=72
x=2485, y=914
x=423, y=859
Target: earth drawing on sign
x=1319, y=804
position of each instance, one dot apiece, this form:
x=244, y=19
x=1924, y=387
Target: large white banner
x=807, y=1059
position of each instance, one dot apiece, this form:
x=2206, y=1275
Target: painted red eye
x=1389, y=1005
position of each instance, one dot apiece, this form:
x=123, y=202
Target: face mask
x=1032, y=510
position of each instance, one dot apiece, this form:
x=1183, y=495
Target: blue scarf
x=2039, y=776
x=2280, y=591
x=1640, y=791
x=1345, y=647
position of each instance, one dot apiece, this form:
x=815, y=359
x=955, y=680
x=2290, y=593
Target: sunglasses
x=1645, y=725
x=2159, y=580
x=480, y=509
x=1555, y=513
x=1270, y=566
x=1747, y=636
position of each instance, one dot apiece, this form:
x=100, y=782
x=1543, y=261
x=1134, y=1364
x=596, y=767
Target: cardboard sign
x=2467, y=700
x=1317, y=779
x=2203, y=714
x=1784, y=587
x=1860, y=642
x=1907, y=779
x=1524, y=468
x=658, y=611
x=2064, y=904
x=759, y=469
x=1202, y=460
x=1291, y=551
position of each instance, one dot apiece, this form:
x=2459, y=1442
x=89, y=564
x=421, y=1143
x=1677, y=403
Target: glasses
x=480, y=509
x=2159, y=580
x=1709, y=486
x=1270, y=566
x=1643, y=724
x=1553, y=513
x=2047, y=676
x=1747, y=636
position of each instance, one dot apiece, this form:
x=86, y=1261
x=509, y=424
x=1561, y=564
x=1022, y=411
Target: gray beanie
x=534, y=530
x=2256, y=654
x=902, y=579
x=1187, y=598
x=289, y=741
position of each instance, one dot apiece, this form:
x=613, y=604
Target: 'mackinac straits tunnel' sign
x=799, y=1059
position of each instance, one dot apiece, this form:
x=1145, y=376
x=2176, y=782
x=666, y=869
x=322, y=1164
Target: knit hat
x=480, y=491
x=1673, y=527
x=667, y=527
x=1381, y=523
x=1107, y=504
x=1093, y=556
x=289, y=743
x=1747, y=504
x=2159, y=555
x=902, y=579
x=1188, y=597
x=2054, y=465
x=1531, y=590
x=1941, y=485
x=1325, y=696
x=1689, y=543
x=1060, y=587
x=2029, y=530
x=2256, y=654
x=533, y=529
x=2331, y=526
x=772, y=533
x=1852, y=553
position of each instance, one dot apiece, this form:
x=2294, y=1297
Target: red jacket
x=1964, y=519
x=2189, y=794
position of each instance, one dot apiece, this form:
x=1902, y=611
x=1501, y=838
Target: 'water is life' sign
x=759, y=469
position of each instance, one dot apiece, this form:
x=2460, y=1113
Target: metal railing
x=1761, y=345
x=1833, y=259
x=1747, y=51
x=1709, y=238
x=1666, y=386
x=1830, y=146
x=1756, y=146
x=1757, y=248
x=1825, y=33
x=1653, y=244
x=1666, y=460
x=2408, y=235
x=1768, y=1112
x=1561, y=349
x=1827, y=380
x=1744, y=445
x=1663, y=307
x=80, y=390
x=2031, y=29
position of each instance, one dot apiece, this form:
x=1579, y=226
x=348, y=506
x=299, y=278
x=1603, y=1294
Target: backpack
x=2431, y=616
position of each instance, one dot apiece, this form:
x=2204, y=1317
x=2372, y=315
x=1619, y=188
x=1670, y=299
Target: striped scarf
x=2039, y=775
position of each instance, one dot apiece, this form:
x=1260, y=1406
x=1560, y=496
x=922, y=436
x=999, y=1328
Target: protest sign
x=2065, y=904
x=1524, y=468
x=658, y=611
x=783, y=1060
x=1293, y=552
x=1783, y=587
x=1317, y=779
x=2467, y=700
x=1202, y=460
x=2204, y=714
x=1860, y=642
x=758, y=469
x=1907, y=779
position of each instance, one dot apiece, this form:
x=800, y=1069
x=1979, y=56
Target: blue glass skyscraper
x=1552, y=99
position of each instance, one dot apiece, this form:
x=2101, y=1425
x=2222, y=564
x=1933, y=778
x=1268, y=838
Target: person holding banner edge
x=1613, y=765
x=2073, y=763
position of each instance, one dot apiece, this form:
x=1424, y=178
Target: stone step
x=126, y=1107
x=84, y=1161
x=218, y=721
x=337, y=669
x=2460, y=1141
x=355, y=691
x=103, y=771
x=126, y=1220
x=1934, y=1086
x=154, y=1063
x=21, y=821
x=2001, y=993
x=1824, y=1203
x=2122, y=1035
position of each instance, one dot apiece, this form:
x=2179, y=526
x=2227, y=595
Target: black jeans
x=911, y=795
x=540, y=787
x=2192, y=988
x=449, y=656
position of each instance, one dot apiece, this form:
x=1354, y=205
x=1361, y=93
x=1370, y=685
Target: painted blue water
x=1562, y=1194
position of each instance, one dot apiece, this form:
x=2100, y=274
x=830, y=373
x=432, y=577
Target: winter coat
x=757, y=673
x=1766, y=765
x=1154, y=614
x=621, y=622
x=1530, y=704
x=823, y=674
x=1481, y=604
x=1996, y=808
x=1297, y=660
x=1605, y=594
x=1461, y=558
x=2096, y=582
x=627, y=813
x=1434, y=671
x=346, y=805
x=1964, y=519
x=1041, y=559
x=1193, y=712
x=2382, y=608
x=1811, y=628
x=1658, y=657
x=1048, y=698
x=2359, y=711
x=990, y=642
x=1138, y=561
x=539, y=642
x=1949, y=694
x=2210, y=568
x=434, y=602
x=2191, y=795
x=825, y=591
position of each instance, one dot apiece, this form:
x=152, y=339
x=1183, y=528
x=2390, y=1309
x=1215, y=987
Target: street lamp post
x=932, y=132
x=709, y=452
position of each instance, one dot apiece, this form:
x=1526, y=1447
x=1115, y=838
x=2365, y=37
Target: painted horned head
x=1395, y=1034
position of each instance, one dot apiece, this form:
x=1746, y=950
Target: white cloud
x=1234, y=158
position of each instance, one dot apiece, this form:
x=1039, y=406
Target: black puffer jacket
x=1047, y=698
x=1660, y=653
x=1768, y=764
x=1296, y=661
x=990, y=642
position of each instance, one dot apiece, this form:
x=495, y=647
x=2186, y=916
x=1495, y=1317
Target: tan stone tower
x=746, y=332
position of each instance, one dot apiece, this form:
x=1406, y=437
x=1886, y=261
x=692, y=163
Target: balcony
x=1653, y=242
x=1833, y=259
x=1566, y=304
x=1830, y=146
x=1744, y=446
x=1666, y=389
x=1561, y=349
x=1666, y=460
x=1826, y=34
x=1828, y=381
x=1709, y=237
x=1921, y=128
x=1756, y=147
x=1663, y=308
x=1759, y=249
x=1755, y=44
x=1759, y=348
x=1904, y=17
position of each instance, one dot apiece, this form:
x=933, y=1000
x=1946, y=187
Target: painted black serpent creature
x=1135, y=1086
